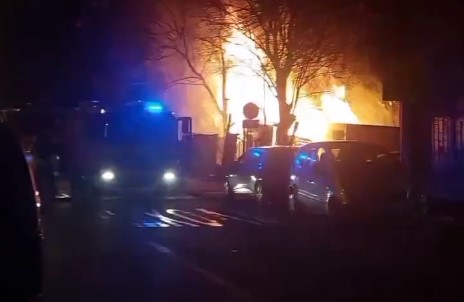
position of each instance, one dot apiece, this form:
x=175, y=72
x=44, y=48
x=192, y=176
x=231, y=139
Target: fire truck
x=135, y=146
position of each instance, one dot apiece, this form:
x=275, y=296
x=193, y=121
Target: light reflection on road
x=227, y=217
x=170, y=221
x=194, y=218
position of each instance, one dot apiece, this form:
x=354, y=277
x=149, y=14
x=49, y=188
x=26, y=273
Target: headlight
x=169, y=176
x=107, y=175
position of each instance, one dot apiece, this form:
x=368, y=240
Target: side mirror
x=185, y=128
x=186, y=125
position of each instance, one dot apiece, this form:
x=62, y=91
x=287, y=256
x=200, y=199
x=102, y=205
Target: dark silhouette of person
x=327, y=160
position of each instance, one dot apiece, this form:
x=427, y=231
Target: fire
x=246, y=83
x=312, y=123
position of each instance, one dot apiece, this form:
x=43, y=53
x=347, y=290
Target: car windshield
x=138, y=140
x=146, y=130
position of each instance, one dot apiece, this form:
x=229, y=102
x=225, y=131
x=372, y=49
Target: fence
x=204, y=149
x=447, y=142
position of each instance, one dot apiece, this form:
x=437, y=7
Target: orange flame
x=246, y=83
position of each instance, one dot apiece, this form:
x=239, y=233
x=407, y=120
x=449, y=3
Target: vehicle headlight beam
x=107, y=175
x=169, y=176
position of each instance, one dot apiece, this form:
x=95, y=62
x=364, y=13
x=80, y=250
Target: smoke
x=188, y=100
x=192, y=101
x=366, y=102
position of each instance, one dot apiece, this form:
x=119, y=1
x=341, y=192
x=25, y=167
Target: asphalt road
x=191, y=249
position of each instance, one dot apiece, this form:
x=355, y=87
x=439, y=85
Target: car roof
x=275, y=148
x=339, y=143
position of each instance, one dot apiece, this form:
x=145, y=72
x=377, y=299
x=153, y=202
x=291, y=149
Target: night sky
x=36, y=36
x=51, y=50
x=58, y=51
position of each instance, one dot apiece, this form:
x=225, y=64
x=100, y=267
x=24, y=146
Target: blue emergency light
x=154, y=107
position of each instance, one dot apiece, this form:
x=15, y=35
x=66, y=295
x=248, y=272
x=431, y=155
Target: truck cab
x=139, y=146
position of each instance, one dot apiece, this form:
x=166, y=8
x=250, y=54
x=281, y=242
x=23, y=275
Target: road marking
x=196, y=218
x=226, y=217
x=180, y=218
x=156, y=224
x=107, y=214
x=209, y=275
x=171, y=221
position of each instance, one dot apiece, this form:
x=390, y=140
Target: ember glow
x=246, y=83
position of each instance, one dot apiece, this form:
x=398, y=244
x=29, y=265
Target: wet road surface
x=191, y=249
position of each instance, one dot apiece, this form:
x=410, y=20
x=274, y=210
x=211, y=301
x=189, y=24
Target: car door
x=322, y=179
x=239, y=178
x=253, y=168
x=305, y=177
x=233, y=175
x=257, y=162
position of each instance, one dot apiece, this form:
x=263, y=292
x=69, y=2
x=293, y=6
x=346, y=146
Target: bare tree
x=196, y=36
x=301, y=40
x=212, y=39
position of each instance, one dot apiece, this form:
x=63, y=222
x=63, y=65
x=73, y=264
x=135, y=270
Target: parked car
x=348, y=178
x=262, y=173
x=20, y=255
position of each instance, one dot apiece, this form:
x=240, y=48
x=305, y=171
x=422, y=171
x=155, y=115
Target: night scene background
x=198, y=94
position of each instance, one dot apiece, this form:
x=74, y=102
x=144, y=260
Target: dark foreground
x=186, y=249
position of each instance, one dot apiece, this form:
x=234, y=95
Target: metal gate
x=459, y=129
x=442, y=154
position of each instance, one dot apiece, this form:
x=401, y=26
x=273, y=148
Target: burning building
x=213, y=88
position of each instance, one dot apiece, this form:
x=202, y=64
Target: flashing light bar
x=154, y=107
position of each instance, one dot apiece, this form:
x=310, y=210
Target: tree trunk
x=225, y=111
x=415, y=144
x=286, y=118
